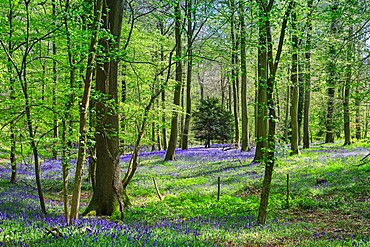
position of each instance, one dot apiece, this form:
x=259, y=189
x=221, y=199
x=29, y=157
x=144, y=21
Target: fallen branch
x=363, y=160
x=156, y=189
x=54, y=231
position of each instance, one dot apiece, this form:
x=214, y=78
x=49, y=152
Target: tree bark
x=54, y=100
x=307, y=91
x=84, y=109
x=13, y=164
x=190, y=34
x=234, y=74
x=107, y=195
x=261, y=127
x=358, y=115
x=273, y=65
x=347, y=89
x=244, y=92
x=295, y=88
x=170, y=154
x=329, y=137
x=287, y=113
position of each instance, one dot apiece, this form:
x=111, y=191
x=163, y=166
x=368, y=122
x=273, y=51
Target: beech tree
x=107, y=193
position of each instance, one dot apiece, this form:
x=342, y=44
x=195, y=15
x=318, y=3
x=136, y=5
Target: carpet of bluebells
x=190, y=215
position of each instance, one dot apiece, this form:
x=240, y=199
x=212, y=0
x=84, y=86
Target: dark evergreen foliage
x=212, y=122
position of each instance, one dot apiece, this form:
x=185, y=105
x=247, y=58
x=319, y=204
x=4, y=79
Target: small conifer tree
x=212, y=122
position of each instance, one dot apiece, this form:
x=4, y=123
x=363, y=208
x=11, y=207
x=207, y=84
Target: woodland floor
x=333, y=213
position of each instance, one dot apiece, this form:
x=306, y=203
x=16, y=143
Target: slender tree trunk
x=270, y=153
x=190, y=34
x=366, y=120
x=164, y=129
x=170, y=154
x=181, y=127
x=13, y=178
x=358, y=116
x=300, y=100
x=28, y=111
x=295, y=88
x=223, y=89
x=287, y=113
x=234, y=74
x=329, y=137
x=261, y=134
x=84, y=109
x=163, y=97
x=307, y=92
x=244, y=92
x=347, y=83
x=66, y=120
x=54, y=100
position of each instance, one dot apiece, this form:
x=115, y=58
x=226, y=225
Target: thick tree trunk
x=170, y=154
x=244, y=92
x=107, y=194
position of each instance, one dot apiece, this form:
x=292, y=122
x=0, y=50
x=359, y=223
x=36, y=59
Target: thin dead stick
x=156, y=189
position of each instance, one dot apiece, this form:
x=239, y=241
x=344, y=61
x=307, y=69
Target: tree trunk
x=366, y=120
x=244, y=92
x=329, y=138
x=190, y=34
x=164, y=129
x=13, y=164
x=261, y=127
x=84, y=109
x=170, y=154
x=307, y=91
x=287, y=113
x=234, y=74
x=300, y=101
x=54, y=100
x=24, y=81
x=358, y=116
x=66, y=119
x=347, y=83
x=295, y=89
x=270, y=152
x=107, y=195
